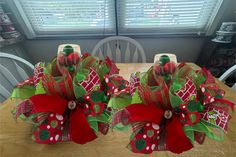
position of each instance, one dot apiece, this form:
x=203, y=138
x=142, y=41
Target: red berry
x=61, y=59
x=169, y=68
x=158, y=69
x=73, y=58
x=86, y=54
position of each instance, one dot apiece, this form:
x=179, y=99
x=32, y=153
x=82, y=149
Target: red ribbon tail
x=48, y=103
x=80, y=130
x=176, y=140
x=138, y=113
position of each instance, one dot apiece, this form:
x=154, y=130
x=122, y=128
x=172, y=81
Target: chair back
x=13, y=70
x=120, y=49
x=231, y=71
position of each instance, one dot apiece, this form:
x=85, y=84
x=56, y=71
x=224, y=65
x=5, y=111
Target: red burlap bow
x=79, y=129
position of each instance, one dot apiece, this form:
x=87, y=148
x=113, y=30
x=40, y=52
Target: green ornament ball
x=71, y=68
x=164, y=59
x=68, y=49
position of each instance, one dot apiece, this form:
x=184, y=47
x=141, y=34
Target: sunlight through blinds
x=65, y=16
x=166, y=16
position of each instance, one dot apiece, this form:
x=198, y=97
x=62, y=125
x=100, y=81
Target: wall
x=186, y=49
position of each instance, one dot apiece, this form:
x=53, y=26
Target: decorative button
x=168, y=114
x=71, y=105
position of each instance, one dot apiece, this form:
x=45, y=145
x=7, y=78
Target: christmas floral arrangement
x=66, y=100
x=169, y=107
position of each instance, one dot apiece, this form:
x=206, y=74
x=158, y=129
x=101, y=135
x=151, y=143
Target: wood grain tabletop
x=15, y=136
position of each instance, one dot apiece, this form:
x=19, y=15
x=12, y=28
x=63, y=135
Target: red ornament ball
x=61, y=59
x=73, y=58
x=169, y=68
x=158, y=69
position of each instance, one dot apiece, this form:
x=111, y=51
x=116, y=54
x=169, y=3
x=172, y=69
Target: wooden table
x=15, y=138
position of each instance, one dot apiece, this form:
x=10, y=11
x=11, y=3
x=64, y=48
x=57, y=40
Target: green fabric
x=199, y=79
x=93, y=123
x=119, y=102
x=175, y=100
x=195, y=106
x=23, y=92
x=205, y=128
x=143, y=78
x=189, y=133
x=93, y=120
x=136, y=98
x=39, y=88
x=79, y=91
x=89, y=62
x=121, y=127
x=104, y=118
x=102, y=70
x=97, y=96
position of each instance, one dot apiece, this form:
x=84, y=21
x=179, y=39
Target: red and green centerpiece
x=66, y=99
x=169, y=107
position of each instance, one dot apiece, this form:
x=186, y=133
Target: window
x=58, y=17
x=166, y=16
x=43, y=18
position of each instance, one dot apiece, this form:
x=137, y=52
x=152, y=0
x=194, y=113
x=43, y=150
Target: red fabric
x=176, y=140
x=144, y=113
x=151, y=141
x=80, y=130
x=48, y=103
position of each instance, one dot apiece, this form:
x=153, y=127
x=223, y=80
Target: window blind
x=166, y=16
x=1, y=9
x=48, y=17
